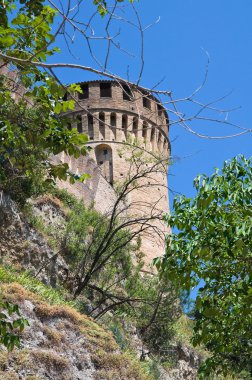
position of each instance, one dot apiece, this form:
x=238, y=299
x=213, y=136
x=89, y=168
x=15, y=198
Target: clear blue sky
x=173, y=49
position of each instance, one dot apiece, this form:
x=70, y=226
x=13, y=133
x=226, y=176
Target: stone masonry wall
x=111, y=122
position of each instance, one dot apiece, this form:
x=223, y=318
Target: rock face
x=187, y=364
x=52, y=346
x=22, y=245
x=61, y=344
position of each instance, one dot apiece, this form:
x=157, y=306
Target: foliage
x=30, y=129
x=102, y=6
x=118, y=284
x=9, y=326
x=213, y=248
x=81, y=246
x=65, y=197
x=155, y=313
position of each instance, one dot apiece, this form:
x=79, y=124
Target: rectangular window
x=127, y=95
x=105, y=90
x=85, y=91
x=146, y=102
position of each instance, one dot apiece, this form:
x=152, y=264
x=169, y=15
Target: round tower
x=115, y=116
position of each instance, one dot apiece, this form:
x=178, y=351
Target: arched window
x=104, y=159
x=90, y=127
x=135, y=126
x=79, y=123
x=102, y=125
x=144, y=130
x=125, y=124
x=113, y=124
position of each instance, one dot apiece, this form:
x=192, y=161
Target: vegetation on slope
x=144, y=305
x=58, y=318
x=118, y=286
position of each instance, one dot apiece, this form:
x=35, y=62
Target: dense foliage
x=213, y=249
x=28, y=136
x=30, y=129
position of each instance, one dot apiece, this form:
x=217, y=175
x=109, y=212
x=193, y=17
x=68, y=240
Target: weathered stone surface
x=22, y=245
x=187, y=364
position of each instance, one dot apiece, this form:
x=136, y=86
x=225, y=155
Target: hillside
x=60, y=342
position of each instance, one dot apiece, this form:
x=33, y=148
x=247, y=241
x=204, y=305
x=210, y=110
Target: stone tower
x=111, y=113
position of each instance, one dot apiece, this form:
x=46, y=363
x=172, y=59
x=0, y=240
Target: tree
x=106, y=273
x=92, y=241
x=30, y=129
x=211, y=246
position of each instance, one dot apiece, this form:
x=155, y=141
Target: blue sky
x=173, y=50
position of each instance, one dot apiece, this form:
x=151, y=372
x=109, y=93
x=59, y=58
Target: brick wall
x=110, y=122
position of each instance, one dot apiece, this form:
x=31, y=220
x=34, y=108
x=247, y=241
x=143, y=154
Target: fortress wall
x=109, y=123
x=94, y=191
x=100, y=193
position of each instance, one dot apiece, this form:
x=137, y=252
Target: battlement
x=112, y=111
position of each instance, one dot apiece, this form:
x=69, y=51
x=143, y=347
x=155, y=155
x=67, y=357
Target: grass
x=68, y=200
x=50, y=233
x=9, y=375
x=50, y=295
x=54, y=336
x=50, y=359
